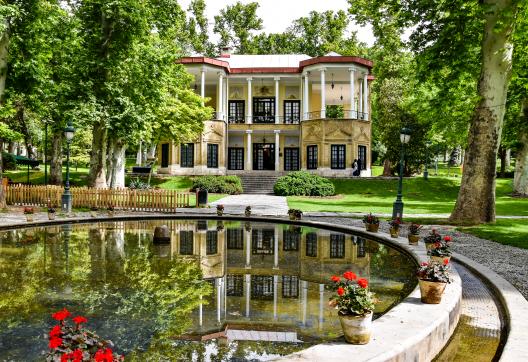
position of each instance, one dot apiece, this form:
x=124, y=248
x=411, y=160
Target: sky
x=277, y=15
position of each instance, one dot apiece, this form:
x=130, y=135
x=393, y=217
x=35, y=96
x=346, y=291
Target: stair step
x=258, y=184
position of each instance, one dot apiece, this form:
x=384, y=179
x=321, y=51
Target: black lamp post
x=397, y=207
x=426, y=172
x=45, y=152
x=66, y=196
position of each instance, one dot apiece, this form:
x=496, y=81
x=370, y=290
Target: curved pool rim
x=408, y=331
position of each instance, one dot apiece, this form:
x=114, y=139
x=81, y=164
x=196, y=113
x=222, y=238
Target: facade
x=277, y=113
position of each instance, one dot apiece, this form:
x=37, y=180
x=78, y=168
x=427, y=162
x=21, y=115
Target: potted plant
x=395, y=227
x=371, y=222
x=441, y=250
x=111, y=211
x=93, y=211
x=414, y=234
x=431, y=239
x=247, y=212
x=219, y=210
x=433, y=278
x=355, y=304
x=29, y=211
x=295, y=214
x=51, y=213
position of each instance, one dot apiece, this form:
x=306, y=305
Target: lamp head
x=69, y=132
x=405, y=135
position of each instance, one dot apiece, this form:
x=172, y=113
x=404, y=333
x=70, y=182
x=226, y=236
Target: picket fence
x=121, y=199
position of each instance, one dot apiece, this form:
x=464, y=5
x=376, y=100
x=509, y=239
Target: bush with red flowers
x=69, y=343
x=434, y=271
x=352, y=295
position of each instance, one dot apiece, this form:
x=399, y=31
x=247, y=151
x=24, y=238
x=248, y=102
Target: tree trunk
x=476, y=198
x=4, y=51
x=97, y=176
x=520, y=178
x=2, y=193
x=116, y=169
x=387, y=168
x=55, y=176
x=507, y=161
x=12, y=147
x=502, y=155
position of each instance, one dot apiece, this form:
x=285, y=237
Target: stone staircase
x=258, y=184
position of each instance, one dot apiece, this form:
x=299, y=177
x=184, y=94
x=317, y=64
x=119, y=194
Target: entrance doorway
x=264, y=156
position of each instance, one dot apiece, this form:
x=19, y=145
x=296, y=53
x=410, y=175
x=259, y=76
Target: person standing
x=354, y=167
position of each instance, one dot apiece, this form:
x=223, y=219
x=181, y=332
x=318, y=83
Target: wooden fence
x=124, y=199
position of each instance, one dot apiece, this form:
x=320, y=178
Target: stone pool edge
x=409, y=331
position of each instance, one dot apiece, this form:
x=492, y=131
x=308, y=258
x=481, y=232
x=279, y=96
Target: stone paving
x=266, y=205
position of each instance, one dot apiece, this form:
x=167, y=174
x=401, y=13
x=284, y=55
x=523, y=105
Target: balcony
x=290, y=119
x=340, y=114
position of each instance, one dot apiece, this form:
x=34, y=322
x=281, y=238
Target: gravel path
x=508, y=261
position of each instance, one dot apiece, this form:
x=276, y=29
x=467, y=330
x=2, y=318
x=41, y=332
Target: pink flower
x=424, y=263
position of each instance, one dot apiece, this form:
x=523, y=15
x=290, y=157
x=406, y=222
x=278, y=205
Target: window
x=361, y=252
x=362, y=157
x=291, y=159
x=311, y=157
x=236, y=112
x=337, y=246
x=337, y=155
x=186, y=242
x=235, y=286
x=290, y=286
x=187, y=155
x=311, y=244
x=263, y=110
x=262, y=287
x=290, y=240
x=262, y=241
x=292, y=112
x=211, y=242
x=235, y=239
x=164, y=155
x=235, y=158
x=212, y=155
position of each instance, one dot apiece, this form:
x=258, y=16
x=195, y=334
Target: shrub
x=8, y=161
x=302, y=183
x=218, y=184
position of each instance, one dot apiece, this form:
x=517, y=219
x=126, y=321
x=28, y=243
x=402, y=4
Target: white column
x=226, y=100
x=247, y=238
x=360, y=98
x=249, y=154
x=277, y=120
x=304, y=287
x=323, y=93
x=248, y=293
x=365, y=96
x=249, y=103
x=276, y=248
x=200, y=312
x=321, y=305
x=202, y=86
x=220, y=100
x=275, y=296
x=352, y=92
x=277, y=149
x=306, y=97
x=218, y=283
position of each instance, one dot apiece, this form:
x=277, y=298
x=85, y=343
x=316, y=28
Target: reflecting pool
x=219, y=290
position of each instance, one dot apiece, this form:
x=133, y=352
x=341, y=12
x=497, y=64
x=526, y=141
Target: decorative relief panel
x=292, y=92
x=236, y=92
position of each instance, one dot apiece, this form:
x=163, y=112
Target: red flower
x=66, y=357
x=446, y=261
x=363, y=283
x=61, y=315
x=335, y=278
x=447, y=238
x=340, y=291
x=55, y=332
x=424, y=263
x=77, y=355
x=104, y=356
x=55, y=342
x=79, y=319
x=350, y=275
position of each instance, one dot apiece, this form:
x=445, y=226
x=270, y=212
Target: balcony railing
x=344, y=114
x=265, y=119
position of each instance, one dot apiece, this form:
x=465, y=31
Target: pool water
x=219, y=290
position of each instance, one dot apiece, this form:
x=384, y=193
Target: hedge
x=302, y=183
x=218, y=184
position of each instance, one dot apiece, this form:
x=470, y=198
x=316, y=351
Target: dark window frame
x=292, y=159
x=211, y=242
x=338, y=157
x=337, y=246
x=290, y=286
x=187, y=155
x=186, y=242
x=235, y=239
x=165, y=155
x=264, y=110
x=262, y=287
x=311, y=244
x=263, y=241
x=234, y=285
x=212, y=155
x=292, y=111
x=312, y=157
x=236, y=111
x=235, y=158
x=362, y=156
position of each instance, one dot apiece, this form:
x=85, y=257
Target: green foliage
x=334, y=111
x=353, y=296
x=8, y=161
x=218, y=184
x=302, y=183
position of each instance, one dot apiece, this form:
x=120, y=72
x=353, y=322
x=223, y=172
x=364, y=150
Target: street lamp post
x=45, y=152
x=397, y=207
x=66, y=196
x=426, y=172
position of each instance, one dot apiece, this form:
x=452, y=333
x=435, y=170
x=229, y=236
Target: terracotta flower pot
x=394, y=232
x=219, y=213
x=440, y=259
x=413, y=239
x=93, y=213
x=247, y=213
x=51, y=216
x=357, y=329
x=29, y=217
x=292, y=216
x=429, y=246
x=372, y=227
x=431, y=291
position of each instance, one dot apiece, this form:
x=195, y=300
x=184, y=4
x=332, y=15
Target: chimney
x=225, y=52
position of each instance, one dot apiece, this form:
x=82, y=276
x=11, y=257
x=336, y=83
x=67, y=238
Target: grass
x=435, y=196
x=512, y=232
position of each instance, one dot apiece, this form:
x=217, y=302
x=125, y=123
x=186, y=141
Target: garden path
x=268, y=205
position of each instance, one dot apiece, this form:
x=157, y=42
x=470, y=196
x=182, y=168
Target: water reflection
x=217, y=289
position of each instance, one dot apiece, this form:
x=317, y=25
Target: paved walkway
x=260, y=204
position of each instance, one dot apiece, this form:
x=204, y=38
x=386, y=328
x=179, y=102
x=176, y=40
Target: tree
x=199, y=29
x=235, y=25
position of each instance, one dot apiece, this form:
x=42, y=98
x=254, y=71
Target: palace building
x=275, y=114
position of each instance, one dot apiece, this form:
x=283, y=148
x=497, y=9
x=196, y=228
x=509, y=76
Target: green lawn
x=436, y=196
x=505, y=231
